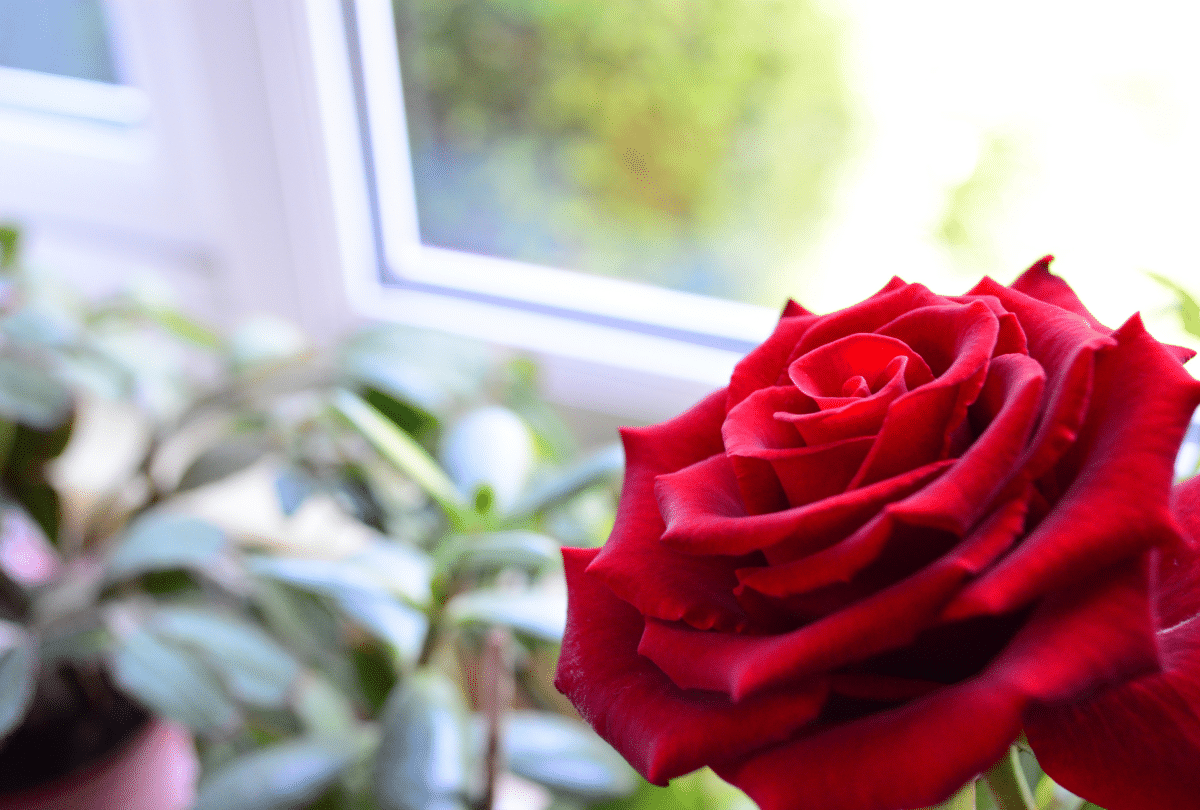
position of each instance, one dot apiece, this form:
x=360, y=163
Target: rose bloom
x=905, y=532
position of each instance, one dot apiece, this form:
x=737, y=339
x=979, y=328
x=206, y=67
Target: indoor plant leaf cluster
x=299, y=554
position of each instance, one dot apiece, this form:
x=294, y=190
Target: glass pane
x=65, y=37
x=692, y=144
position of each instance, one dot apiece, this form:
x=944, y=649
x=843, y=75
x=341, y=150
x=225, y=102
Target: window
x=290, y=155
x=948, y=152
x=544, y=175
x=62, y=83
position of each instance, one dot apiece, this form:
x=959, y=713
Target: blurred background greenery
x=689, y=144
x=761, y=150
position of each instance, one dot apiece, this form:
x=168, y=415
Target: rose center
x=856, y=367
x=856, y=386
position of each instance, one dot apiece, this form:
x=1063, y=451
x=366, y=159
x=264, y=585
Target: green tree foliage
x=571, y=132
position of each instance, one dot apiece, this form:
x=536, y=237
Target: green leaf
x=401, y=450
x=18, y=671
x=1006, y=783
x=221, y=461
x=307, y=626
x=254, y=668
x=381, y=567
x=401, y=569
x=162, y=540
x=464, y=554
x=10, y=246
x=171, y=681
x=1189, y=308
x=32, y=396
x=430, y=370
x=279, y=777
x=184, y=327
x=397, y=624
x=358, y=592
x=566, y=756
x=604, y=464
x=422, y=762
x=1052, y=796
x=323, y=710
x=537, y=612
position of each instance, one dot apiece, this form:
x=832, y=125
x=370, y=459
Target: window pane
x=692, y=145
x=64, y=37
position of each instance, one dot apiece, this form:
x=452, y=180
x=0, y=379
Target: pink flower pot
x=156, y=770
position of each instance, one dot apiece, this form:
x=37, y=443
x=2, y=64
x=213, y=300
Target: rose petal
x=905, y=547
x=764, y=366
x=742, y=665
x=810, y=474
x=920, y=753
x=1119, y=471
x=750, y=429
x=919, y=425
x=953, y=339
x=663, y=731
x=653, y=577
x=766, y=466
x=880, y=688
x=1007, y=410
x=704, y=512
x=792, y=309
x=885, y=306
x=915, y=756
x=1136, y=745
x=820, y=524
x=822, y=372
x=1065, y=346
x=751, y=424
x=1011, y=339
x=1038, y=282
x=857, y=416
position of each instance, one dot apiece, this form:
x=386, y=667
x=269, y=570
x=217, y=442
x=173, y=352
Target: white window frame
x=614, y=324
x=248, y=174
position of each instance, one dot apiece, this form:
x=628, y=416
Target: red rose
x=1137, y=745
x=902, y=532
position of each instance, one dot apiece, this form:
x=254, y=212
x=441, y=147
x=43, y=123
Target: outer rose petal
x=663, y=731
x=1065, y=346
x=920, y=753
x=1115, y=504
x=651, y=576
x=1038, y=282
x=1136, y=746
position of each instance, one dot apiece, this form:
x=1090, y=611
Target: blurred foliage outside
x=688, y=144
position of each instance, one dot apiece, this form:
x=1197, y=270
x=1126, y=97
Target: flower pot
x=155, y=770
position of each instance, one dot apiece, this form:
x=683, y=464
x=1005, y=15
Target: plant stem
x=497, y=697
x=1006, y=782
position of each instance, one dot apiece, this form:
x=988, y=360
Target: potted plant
x=251, y=546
